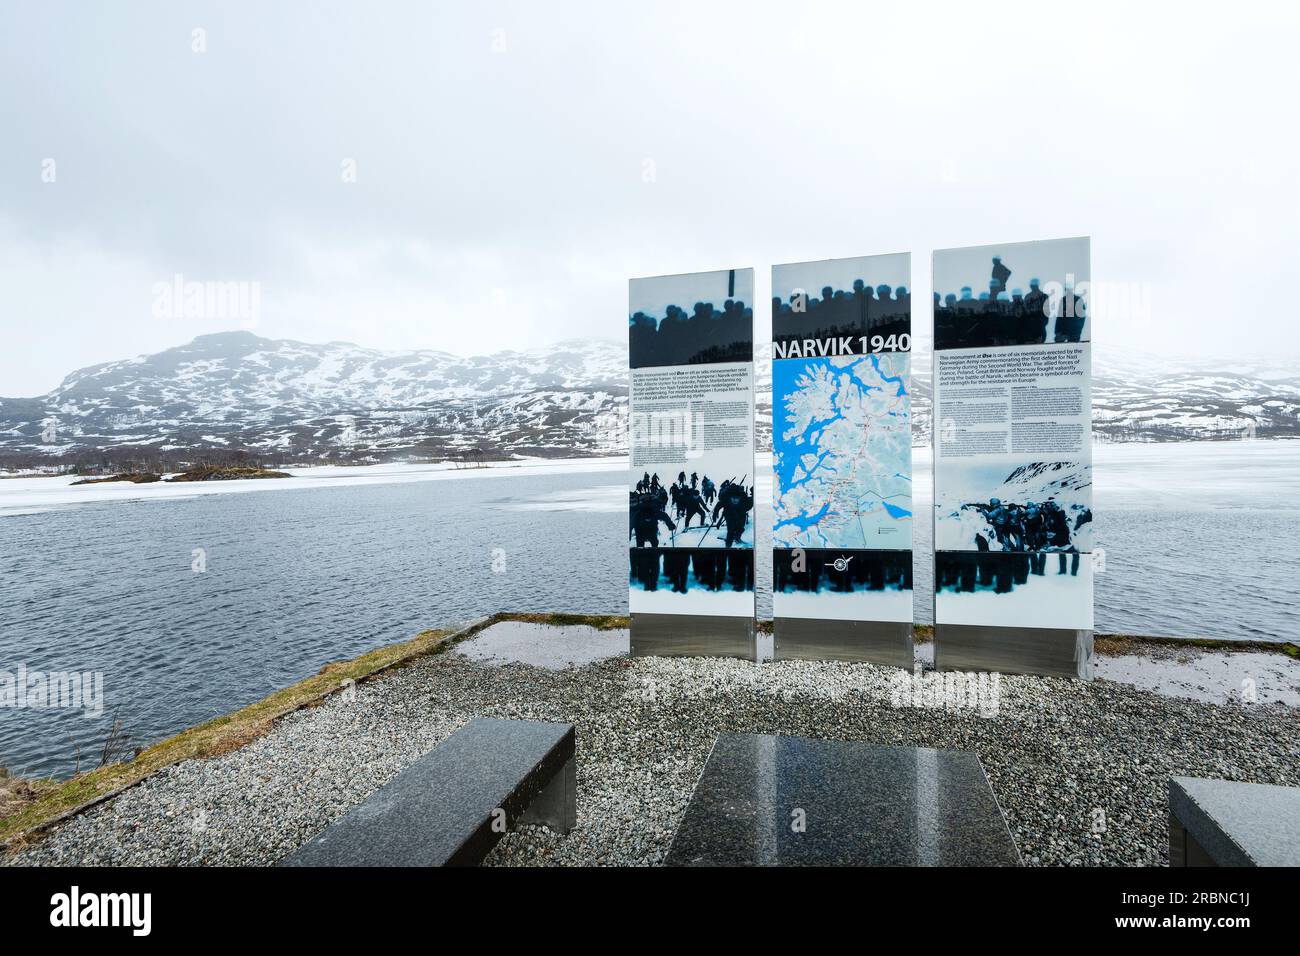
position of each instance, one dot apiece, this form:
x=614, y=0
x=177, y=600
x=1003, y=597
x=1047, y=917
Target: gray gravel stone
x=1079, y=769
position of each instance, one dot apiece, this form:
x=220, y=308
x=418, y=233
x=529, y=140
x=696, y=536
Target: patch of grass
x=15, y=792
x=26, y=805
x=1118, y=644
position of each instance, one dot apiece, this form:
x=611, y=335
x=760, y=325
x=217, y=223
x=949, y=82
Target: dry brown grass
x=1117, y=644
x=15, y=793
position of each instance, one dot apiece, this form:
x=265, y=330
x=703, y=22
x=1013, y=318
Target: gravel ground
x=1079, y=769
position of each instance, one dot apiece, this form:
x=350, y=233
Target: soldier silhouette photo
x=679, y=564
x=1003, y=316
x=687, y=500
x=733, y=507
x=705, y=334
x=841, y=572
x=690, y=497
x=1031, y=527
x=646, y=514
x=861, y=310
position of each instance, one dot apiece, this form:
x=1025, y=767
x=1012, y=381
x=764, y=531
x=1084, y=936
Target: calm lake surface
x=1200, y=540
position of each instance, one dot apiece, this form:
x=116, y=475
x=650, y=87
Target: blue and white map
x=842, y=452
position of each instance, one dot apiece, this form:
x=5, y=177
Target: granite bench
x=451, y=806
x=782, y=801
x=1224, y=823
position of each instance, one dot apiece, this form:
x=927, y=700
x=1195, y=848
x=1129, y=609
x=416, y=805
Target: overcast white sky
x=502, y=198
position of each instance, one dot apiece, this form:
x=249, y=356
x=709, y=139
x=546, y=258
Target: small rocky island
x=227, y=473
x=197, y=473
x=134, y=478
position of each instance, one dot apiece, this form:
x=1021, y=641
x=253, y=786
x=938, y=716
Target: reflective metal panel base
x=1049, y=652
x=814, y=639
x=692, y=635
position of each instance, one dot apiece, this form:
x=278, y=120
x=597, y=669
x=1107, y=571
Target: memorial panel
x=842, y=459
x=691, y=484
x=1013, y=519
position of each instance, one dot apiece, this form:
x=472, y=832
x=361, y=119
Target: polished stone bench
x=451, y=806
x=1224, y=823
x=783, y=801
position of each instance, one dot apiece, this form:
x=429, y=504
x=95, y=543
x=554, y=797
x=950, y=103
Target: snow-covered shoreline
x=20, y=496
x=1173, y=476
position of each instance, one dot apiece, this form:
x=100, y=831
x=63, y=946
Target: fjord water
x=1200, y=540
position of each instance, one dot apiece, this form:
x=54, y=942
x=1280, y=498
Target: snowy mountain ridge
x=294, y=401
